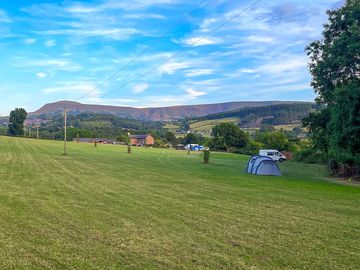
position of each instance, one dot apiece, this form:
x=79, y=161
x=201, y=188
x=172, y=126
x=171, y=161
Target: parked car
x=273, y=154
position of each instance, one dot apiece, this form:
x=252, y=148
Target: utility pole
x=65, y=134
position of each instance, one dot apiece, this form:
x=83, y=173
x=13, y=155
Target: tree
x=16, y=122
x=335, y=69
x=228, y=135
x=273, y=140
x=124, y=138
x=193, y=138
x=170, y=138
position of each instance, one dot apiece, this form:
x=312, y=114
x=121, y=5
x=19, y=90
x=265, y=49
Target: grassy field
x=100, y=208
x=207, y=125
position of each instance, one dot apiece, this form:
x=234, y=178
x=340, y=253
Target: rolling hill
x=154, y=114
x=252, y=117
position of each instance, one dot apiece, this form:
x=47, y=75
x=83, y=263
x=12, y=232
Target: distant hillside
x=280, y=114
x=154, y=114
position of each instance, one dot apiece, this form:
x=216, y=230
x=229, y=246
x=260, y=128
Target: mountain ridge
x=153, y=113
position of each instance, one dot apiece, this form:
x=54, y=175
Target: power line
x=180, y=51
x=144, y=50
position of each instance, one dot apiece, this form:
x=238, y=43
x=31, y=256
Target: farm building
x=144, y=139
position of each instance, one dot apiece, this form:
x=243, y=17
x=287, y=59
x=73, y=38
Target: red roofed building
x=145, y=139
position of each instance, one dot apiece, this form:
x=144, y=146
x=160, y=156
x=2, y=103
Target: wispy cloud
x=140, y=87
x=4, y=18
x=53, y=64
x=198, y=72
x=201, y=41
x=72, y=46
x=73, y=89
x=41, y=75
x=194, y=94
x=29, y=41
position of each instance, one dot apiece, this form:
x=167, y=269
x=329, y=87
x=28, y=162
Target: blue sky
x=62, y=50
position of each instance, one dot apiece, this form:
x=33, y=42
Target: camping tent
x=257, y=161
x=251, y=163
x=268, y=167
x=262, y=165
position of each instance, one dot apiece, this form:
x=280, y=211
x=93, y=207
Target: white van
x=273, y=154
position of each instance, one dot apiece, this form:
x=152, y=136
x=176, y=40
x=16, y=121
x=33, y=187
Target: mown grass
x=100, y=208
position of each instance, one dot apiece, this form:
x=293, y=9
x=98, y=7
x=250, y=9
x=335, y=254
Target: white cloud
x=55, y=64
x=194, y=94
x=247, y=70
x=171, y=67
x=260, y=39
x=198, y=72
x=107, y=33
x=74, y=88
x=29, y=40
x=50, y=43
x=200, y=41
x=41, y=75
x=284, y=64
x=143, y=16
x=140, y=87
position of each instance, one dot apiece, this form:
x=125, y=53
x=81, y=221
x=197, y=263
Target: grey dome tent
x=262, y=165
x=256, y=162
x=251, y=163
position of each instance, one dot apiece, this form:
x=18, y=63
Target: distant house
x=145, y=139
x=92, y=140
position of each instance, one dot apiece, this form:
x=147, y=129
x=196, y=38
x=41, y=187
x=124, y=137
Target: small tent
x=262, y=165
x=257, y=161
x=268, y=167
x=251, y=163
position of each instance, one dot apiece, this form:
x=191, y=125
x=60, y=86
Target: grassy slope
x=102, y=209
x=207, y=125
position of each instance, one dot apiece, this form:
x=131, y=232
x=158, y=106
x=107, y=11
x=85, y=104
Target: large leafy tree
x=170, y=138
x=335, y=68
x=16, y=122
x=228, y=135
x=273, y=140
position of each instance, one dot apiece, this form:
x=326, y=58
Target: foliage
x=229, y=136
x=344, y=124
x=170, y=138
x=97, y=125
x=269, y=115
x=273, y=140
x=193, y=138
x=123, y=138
x=16, y=122
x=73, y=132
x=251, y=148
x=335, y=69
x=308, y=153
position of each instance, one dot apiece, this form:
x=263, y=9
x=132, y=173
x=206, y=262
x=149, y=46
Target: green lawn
x=100, y=208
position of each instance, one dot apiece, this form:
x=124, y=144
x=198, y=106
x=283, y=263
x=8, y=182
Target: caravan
x=273, y=154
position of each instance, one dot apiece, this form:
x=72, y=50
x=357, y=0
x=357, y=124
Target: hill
x=154, y=114
x=101, y=208
x=254, y=117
